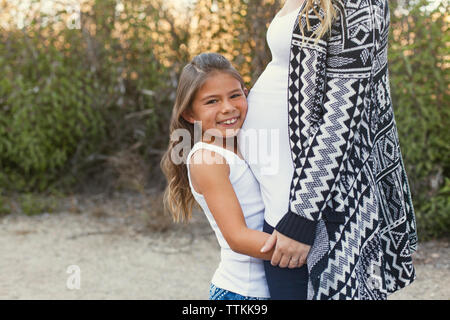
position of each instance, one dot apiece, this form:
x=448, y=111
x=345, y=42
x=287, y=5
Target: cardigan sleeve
x=322, y=122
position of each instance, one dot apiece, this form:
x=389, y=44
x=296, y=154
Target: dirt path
x=117, y=261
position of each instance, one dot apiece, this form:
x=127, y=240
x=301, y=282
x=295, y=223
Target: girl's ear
x=187, y=115
x=246, y=92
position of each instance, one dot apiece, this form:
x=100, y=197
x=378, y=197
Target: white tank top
x=267, y=115
x=238, y=273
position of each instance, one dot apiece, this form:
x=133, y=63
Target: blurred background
x=86, y=91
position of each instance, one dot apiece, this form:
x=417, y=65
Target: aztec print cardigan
x=349, y=196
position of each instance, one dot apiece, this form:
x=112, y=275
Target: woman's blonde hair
x=178, y=199
x=326, y=18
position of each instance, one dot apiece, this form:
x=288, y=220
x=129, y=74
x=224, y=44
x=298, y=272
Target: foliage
x=418, y=65
x=32, y=204
x=227, y=27
x=5, y=207
x=45, y=117
x=73, y=98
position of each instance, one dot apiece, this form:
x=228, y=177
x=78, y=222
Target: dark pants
x=285, y=283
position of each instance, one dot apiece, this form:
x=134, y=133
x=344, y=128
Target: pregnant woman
x=338, y=204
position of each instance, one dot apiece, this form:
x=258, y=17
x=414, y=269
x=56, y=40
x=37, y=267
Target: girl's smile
x=229, y=122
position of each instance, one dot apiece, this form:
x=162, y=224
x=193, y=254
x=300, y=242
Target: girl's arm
x=210, y=177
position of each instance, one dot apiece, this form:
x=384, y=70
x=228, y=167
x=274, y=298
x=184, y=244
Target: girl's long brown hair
x=326, y=18
x=178, y=199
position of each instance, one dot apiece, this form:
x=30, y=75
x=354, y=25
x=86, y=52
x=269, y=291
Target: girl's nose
x=228, y=106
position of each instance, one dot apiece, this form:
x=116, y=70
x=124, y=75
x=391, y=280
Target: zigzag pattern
x=358, y=229
x=308, y=83
x=327, y=148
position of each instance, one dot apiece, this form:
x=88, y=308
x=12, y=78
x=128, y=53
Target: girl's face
x=221, y=106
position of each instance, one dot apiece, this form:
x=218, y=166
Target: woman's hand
x=288, y=252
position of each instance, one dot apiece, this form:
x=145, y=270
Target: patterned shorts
x=222, y=294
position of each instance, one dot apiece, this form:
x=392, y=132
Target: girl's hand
x=288, y=252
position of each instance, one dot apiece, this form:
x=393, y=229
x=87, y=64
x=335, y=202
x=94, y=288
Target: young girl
x=212, y=93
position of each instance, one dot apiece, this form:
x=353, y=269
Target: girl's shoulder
x=217, y=162
x=217, y=153
x=206, y=160
x=206, y=154
x=209, y=165
x=206, y=168
x=212, y=154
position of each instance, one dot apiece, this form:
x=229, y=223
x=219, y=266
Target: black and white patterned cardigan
x=349, y=197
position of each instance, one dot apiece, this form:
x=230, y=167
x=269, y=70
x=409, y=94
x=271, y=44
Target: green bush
x=5, y=208
x=46, y=117
x=72, y=99
x=418, y=56
x=33, y=204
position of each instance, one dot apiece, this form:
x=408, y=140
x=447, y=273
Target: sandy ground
x=117, y=261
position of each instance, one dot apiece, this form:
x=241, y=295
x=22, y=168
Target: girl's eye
x=236, y=95
x=211, y=101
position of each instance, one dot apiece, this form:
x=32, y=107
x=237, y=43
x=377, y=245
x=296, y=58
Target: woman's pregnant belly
x=264, y=141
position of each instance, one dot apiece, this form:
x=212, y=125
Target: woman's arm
x=336, y=99
x=211, y=178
